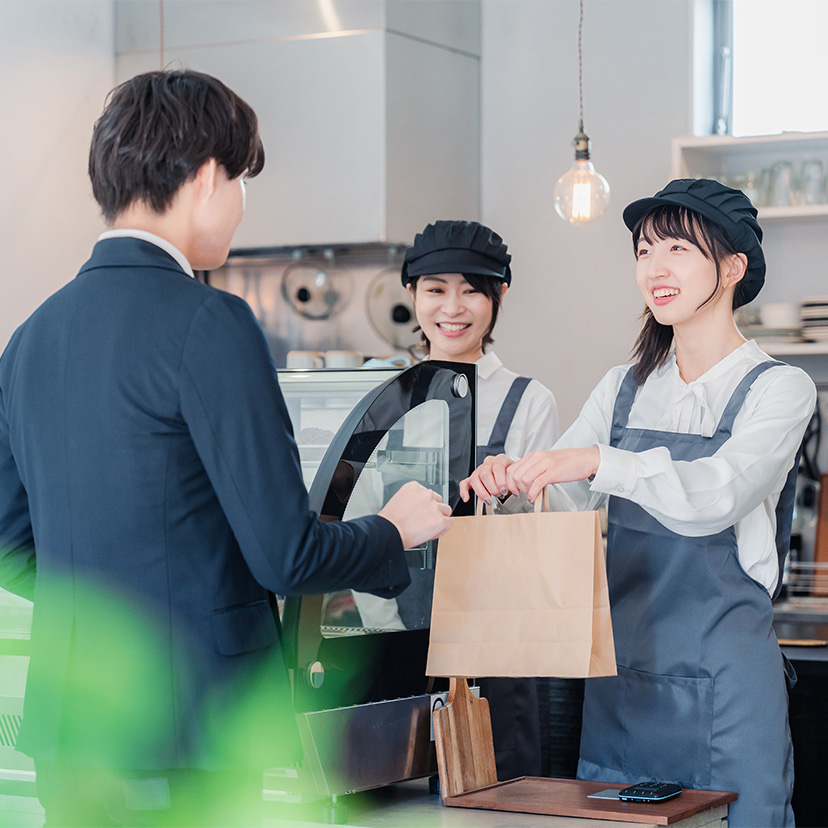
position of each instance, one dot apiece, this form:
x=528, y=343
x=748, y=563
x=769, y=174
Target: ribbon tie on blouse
x=690, y=411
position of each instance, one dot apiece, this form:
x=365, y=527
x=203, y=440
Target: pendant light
x=161, y=33
x=581, y=193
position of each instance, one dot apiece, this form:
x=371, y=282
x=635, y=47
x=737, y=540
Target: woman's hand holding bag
x=500, y=475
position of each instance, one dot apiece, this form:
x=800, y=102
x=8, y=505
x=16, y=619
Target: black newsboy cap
x=730, y=209
x=457, y=247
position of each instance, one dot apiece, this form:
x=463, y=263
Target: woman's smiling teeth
x=453, y=327
x=663, y=293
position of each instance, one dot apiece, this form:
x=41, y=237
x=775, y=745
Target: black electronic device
x=649, y=792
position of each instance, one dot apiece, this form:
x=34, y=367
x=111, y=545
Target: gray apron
x=500, y=430
x=700, y=698
x=513, y=702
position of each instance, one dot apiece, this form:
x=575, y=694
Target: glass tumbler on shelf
x=781, y=193
x=812, y=181
x=765, y=188
x=752, y=188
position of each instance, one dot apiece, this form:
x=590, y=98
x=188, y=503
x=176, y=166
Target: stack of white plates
x=815, y=318
x=774, y=322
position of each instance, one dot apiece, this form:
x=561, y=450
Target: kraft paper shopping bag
x=522, y=595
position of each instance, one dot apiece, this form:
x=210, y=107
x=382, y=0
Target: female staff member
x=457, y=273
x=696, y=446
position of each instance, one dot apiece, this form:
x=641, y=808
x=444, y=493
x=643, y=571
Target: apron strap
x=725, y=427
x=784, y=520
x=500, y=430
x=785, y=504
x=623, y=404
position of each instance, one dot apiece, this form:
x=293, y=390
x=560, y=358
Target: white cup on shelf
x=779, y=314
x=304, y=360
x=343, y=359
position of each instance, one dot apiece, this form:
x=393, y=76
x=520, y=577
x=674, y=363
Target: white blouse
x=535, y=425
x=737, y=486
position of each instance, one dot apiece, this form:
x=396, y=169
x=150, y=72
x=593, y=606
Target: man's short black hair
x=157, y=129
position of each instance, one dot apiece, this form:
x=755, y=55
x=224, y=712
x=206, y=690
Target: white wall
x=350, y=158
x=573, y=308
x=56, y=65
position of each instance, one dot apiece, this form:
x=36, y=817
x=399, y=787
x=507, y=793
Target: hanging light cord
x=161, y=32
x=580, y=66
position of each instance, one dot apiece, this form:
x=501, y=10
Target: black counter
x=808, y=710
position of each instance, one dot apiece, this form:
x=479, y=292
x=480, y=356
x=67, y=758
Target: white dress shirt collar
x=487, y=365
x=153, y=239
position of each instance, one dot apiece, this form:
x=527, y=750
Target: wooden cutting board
x=463, y=741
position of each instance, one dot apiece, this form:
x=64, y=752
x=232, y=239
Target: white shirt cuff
x=617, y=472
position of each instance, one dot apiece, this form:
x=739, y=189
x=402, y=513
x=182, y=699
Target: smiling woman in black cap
x=457, y=273
x=695, y=448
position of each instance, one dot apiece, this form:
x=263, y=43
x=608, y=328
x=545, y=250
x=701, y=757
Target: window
x=771, y=66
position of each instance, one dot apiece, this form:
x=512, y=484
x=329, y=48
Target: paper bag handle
x=541, y=503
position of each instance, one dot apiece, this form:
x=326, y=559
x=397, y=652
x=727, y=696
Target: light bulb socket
x=581, y=144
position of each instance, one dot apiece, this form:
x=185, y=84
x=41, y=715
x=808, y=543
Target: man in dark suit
x=150, y=490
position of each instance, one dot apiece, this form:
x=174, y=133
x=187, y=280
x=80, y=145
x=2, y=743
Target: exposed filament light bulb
x=581, y=193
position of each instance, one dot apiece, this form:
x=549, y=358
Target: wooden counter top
x=570, y=798
x=409, y=804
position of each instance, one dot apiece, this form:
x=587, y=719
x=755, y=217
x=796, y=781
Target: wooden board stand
x=468, y=778
x=820, y=582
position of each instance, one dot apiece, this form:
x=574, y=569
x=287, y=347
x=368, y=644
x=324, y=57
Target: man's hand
x=418, y=513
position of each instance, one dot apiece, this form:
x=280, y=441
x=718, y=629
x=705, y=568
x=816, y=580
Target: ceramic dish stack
x=771, y=322
x=815, y=318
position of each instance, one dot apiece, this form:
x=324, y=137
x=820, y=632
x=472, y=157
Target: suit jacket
x=150, y=496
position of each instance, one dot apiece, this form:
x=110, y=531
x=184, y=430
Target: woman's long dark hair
x=490, y=286
x=652, y=347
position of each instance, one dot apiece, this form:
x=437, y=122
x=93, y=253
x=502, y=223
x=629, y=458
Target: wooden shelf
x=794, y=348
x=697, y=154
x=726, y=156
x=727, y=144
x=799, y=211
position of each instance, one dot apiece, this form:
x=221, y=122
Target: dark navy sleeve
x=17, y=554
x=234, y=408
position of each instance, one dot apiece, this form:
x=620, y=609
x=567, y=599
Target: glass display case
x=319, y=401
x=357, y=660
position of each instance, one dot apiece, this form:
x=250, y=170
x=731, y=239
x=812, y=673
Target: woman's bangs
x=675, y=223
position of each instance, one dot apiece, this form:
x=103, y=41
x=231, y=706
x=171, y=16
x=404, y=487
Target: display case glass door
x=351, y=647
